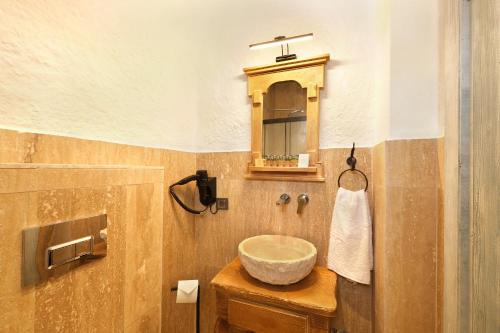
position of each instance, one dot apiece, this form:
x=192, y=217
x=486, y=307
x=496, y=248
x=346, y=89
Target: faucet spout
x=302, y=200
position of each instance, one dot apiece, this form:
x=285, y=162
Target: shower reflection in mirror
x=284, y=121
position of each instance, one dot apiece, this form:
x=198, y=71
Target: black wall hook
x=351, y=161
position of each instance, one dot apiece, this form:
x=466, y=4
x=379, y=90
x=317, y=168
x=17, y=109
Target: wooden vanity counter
x=245, y=303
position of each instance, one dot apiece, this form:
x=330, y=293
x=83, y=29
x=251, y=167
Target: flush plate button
x=65, y=253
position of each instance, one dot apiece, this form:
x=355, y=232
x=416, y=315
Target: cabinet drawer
x=261, y=318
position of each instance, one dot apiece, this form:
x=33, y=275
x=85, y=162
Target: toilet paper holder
x=197, y=308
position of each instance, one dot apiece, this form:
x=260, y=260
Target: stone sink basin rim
x=277, y=259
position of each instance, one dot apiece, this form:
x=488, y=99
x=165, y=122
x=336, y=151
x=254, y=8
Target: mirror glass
x=284, y=124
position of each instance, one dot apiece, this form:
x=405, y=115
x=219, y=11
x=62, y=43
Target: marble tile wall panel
x=253, y=211
x=379, y=231
x=408, y=236
x=198, y=247
x=121, y=292
x=178, y=226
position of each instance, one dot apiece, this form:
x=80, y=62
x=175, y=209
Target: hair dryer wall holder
x=207, y=189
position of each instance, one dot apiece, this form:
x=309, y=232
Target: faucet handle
x=302, y=200
x=283, y=200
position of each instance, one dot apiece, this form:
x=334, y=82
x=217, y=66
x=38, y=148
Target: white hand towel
x=350, y=251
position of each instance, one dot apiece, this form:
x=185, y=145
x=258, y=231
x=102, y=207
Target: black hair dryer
x=207, y=188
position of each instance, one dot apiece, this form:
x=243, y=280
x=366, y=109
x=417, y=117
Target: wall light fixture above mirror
x=282, y=41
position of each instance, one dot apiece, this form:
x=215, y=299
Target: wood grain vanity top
x=314, y=294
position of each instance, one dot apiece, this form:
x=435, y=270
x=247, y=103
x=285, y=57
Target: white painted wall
x=345, y=29
x=382, y=54
x=414, y=60
x=114, y=70
x=168, y=73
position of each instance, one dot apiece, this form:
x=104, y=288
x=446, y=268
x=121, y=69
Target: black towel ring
x=351, y=161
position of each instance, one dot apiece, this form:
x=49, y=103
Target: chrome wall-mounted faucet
x=302, y=200
x=283, y=200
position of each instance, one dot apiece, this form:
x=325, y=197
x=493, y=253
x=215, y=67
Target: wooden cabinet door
x=265, y=319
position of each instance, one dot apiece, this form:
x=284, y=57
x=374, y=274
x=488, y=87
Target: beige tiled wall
x=407, y=220
x=408, y=228
x=121, y=292
x=252, y=211
x=379, y=231
x=178, y=227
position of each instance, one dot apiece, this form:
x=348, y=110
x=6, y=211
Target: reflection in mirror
x=284, y=125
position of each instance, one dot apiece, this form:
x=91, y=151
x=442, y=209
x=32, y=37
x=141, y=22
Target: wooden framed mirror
x=285, y=119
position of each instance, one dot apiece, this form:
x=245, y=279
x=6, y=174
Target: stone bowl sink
x=277, y=259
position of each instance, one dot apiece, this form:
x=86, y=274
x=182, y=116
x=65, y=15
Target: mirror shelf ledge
x=253, y=168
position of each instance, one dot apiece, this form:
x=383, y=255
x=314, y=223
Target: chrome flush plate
x=55, y=249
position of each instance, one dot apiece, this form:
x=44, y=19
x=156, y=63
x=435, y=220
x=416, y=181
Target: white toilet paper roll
x=187, y=291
